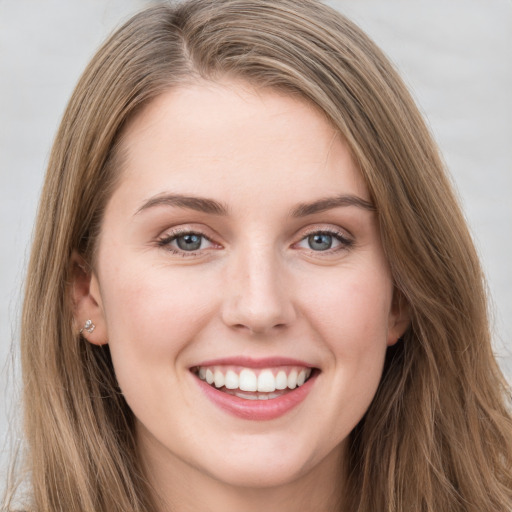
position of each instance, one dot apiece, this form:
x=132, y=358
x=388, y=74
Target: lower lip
x=258, y=410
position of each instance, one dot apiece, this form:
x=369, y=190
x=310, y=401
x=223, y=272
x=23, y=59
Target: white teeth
x=231, y=381
x=248, y=380
x=254, y=396
x=281, y=380
x=292, y=379
x=266, y=381
x=218, y=379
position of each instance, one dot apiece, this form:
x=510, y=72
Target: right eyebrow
x=200, y=204
x=328, y=203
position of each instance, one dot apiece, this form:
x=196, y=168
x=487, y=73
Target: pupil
x=189, y=242
x=320, y=242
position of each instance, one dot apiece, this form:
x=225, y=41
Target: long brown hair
x=437, y=436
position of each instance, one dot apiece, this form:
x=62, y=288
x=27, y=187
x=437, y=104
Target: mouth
x=247, y=383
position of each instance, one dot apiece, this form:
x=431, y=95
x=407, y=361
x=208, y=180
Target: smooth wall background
x=455, y=55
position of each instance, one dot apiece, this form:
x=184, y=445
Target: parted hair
x=438, y=434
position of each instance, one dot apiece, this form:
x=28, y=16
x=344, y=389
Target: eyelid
x=188, y=228
x=330, y=230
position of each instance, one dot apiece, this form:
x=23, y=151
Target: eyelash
x=345, y=242
x=166, y=241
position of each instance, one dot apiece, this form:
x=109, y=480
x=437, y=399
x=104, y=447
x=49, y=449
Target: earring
x=88, y=326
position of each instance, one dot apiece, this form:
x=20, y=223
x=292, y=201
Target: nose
x=257, y=296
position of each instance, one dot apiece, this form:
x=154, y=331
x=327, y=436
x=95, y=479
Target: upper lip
x=249, y=362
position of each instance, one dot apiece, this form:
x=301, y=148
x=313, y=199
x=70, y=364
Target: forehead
x=238, y=139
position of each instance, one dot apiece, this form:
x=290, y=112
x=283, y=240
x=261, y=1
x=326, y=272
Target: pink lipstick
x=255, y=389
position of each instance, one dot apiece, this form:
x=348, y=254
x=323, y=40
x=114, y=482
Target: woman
x=251, y=285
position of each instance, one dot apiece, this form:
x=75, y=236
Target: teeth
x=253, y=396
x=281, y=380
x=248, y=380
x=218, y=379
x=292, y=379
x=265, y=382
x=231, y=381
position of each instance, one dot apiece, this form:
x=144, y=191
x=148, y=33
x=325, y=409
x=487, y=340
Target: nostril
x=259, y=329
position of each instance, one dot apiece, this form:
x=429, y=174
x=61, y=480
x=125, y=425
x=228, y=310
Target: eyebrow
x=328, y=203
x=199, y=204
x=211, y=206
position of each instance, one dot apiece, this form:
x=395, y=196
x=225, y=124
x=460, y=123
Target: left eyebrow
x=200, y=204
x=328, y=203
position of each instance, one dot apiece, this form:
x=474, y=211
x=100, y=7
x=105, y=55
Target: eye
x=323, y=241
x=189, y=242
x=185, y=242
x=320, y=241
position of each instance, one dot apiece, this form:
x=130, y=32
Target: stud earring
x=88, y=326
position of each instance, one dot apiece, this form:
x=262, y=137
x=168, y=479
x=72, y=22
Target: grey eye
x=189, y=242
x=320, y=242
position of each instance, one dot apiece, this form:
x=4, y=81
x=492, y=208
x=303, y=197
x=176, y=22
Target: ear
x=399, y=318
x=86, y=302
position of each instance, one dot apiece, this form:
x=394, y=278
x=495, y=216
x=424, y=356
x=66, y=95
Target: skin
x=255, y=288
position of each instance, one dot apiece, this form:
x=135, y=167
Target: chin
x=248, y=474
x=268, y=463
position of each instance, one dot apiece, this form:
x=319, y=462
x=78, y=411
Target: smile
x=254, y=384
x=255, y=390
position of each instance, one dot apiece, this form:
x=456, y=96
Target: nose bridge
x=257, y=297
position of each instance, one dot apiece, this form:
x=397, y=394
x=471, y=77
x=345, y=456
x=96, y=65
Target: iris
x=320, y=242
x=189, y=242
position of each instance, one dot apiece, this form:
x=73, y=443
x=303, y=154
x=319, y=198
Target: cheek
x=351, y=308
x=351, y=315
x=152, y=312
x=348, y=317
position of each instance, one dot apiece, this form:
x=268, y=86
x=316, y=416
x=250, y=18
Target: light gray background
x=456, y=56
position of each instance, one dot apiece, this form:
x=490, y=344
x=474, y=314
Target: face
x=241, y=285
